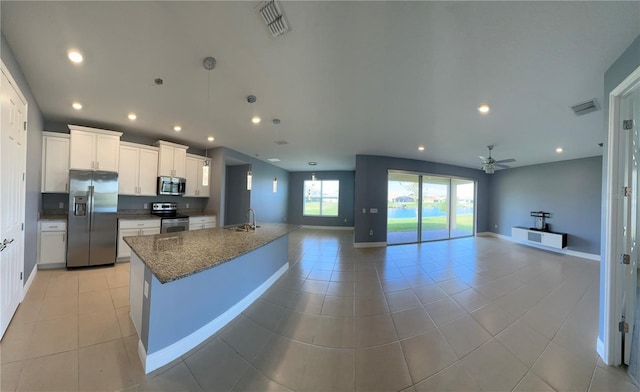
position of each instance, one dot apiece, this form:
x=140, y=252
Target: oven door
x=172, y=225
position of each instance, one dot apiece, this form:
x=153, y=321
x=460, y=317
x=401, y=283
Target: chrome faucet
x=248, y=215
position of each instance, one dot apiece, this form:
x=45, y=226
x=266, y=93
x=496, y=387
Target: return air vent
x=273, y=16
x=281, y=142
x=585, y=107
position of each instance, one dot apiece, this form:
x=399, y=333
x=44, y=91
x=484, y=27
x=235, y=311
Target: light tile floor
x=461, y=315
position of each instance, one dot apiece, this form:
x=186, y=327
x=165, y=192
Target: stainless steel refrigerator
x=93, y=223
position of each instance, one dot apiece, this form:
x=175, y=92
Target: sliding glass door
x=402, y=208
x=435, y=208
x=463, y=197
x=427, y=208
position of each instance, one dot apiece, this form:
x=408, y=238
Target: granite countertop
x=172, y=256
x=52, y=217
x=201, y=213
x=137, y=216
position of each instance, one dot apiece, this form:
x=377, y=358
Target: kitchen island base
x=174, y=317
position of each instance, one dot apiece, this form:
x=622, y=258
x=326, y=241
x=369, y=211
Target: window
x=321, y=198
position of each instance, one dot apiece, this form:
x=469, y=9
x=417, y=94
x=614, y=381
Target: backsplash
x=59, y=202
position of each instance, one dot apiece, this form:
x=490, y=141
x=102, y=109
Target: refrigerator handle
x=90, y=212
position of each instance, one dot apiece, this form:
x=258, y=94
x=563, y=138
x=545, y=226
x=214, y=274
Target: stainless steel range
x=171, y=221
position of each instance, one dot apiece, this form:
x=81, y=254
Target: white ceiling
x=349, y=78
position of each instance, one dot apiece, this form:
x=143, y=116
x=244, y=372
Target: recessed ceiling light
x=273, y=159
x=313, y=163
x=256, y=119
x=177, y=128
x=75, y=56
x=76, y=105
x=132, y=116
x=484, y=108
x=559, y=150
x=210, y=138
x=420, y=148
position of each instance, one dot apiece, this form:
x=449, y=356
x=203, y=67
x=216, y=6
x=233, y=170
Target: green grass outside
x=313, y=208
x=464, y=223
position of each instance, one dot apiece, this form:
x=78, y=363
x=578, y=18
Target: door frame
x=610, y=349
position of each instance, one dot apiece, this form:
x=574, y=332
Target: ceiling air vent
x=281, y=142
x=273, y=16
x=585, y=107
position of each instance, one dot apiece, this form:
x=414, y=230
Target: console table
x=546, y=238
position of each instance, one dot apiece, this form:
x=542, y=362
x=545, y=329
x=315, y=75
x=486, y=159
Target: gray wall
x=619, y=70
x=269, y=206
x=345, y=203
x=238, y=197
x=569, y=190
x=371, y=191
x=34, y=159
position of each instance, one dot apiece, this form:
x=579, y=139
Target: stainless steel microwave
x=174, y=186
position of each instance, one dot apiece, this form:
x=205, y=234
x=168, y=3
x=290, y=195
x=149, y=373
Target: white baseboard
x=369, y=244
x=160, y=358
x=601, y=351
x=568, y=252
x=51, y=266
x=27, y=284
x=327, y=227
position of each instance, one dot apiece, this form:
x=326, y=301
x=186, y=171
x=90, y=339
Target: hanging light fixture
x=313, y=177
x=254, y=117
x=208, y=63
x=249, y=180
x=275, y=184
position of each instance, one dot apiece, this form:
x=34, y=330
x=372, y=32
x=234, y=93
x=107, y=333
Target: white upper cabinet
x=55, y=162
x=138, y=169
x=172, y=159
x=94, y=149
x=198, y=175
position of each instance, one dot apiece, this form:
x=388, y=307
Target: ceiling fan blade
x=501, y=166
x=483, y=158
x=506, y=160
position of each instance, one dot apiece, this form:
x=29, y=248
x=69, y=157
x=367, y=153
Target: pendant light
x=254, y=117
x=249, y=180
x=208, y=63
x=275, y=184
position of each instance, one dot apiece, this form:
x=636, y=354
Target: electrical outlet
x=345, y=220
x=373, y=210
x=371, y=232
x=187, y=205
x=146, y=206
x=61, y=205
x=364, y=210
x=495, y=226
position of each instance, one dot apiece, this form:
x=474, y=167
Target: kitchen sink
x=245, y=227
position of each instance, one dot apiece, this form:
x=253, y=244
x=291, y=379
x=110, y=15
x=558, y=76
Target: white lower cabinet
x=52, y=244
x=134, y=228
x=202, y=222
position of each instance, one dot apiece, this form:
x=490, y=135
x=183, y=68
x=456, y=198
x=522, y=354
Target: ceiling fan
x=489, y=164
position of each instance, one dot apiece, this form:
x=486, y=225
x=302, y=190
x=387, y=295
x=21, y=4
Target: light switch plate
x=146, y=289
x=61, y=205
x=146, y=206
x=373, y=210
x=364, y=210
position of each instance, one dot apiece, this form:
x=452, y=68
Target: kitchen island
x=186, y=286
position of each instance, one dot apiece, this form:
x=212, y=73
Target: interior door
x=12, y=195
x=629, y=110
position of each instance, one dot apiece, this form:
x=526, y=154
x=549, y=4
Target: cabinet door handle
x=97, y=165
x=53, y=227
x=93, y=164
x=64, y=236
x=66, y=187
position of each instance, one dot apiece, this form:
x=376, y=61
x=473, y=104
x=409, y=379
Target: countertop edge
x=164, y=277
